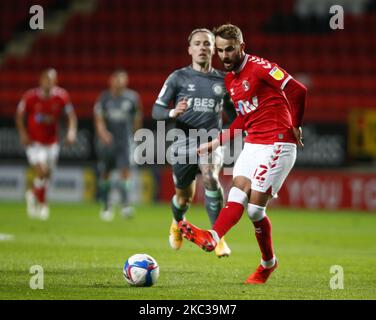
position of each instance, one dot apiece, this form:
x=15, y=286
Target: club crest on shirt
x=218, y=89
x=246, y=86
x=277, y=73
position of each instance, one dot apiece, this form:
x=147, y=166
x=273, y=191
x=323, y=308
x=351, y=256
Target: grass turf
x=82, y=256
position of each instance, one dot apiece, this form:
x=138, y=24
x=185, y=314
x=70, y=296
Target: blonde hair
x=200, y=30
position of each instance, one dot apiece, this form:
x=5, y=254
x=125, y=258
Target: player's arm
x=229, y=108
x=100, y=125
x=20, y=122
x=137, y=122
x=161, y=110
x=296, y=94
x=236, y=128
x=71, y=124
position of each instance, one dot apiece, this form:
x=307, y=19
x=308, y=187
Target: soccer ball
x=141, y=270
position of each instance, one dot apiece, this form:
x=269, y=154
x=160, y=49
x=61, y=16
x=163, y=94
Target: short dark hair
x=200, y=30
x=228, y=31
x=119, y=72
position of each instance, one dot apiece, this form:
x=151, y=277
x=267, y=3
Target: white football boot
x=107, y=215
x=44, y=212
x=127, y=212
x=31, y=204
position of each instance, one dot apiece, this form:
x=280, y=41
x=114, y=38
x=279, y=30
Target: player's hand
x=298, y=134
x=180, y=107
x=25, y=139
x=209, y=147
x=70, y=137
x=106, y=138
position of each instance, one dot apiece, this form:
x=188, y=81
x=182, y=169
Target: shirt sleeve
x=229, y=108
x=99, y=107
x=66, y=101
x=271, y=73
x=166, y=96
x=236, y=128
x=21, y=107
x=296, y=94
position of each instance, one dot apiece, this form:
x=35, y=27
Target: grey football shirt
x=118, y=113
x=206, y=95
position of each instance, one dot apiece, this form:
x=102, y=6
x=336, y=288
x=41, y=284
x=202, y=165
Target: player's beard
x=232, y=64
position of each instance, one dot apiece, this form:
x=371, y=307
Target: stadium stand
x=148, y=39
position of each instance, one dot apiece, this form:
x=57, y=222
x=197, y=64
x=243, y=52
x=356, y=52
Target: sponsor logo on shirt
x=44, y=118
x=245, y=107
x=203, y=104
x=191, y=87
x=277, y=73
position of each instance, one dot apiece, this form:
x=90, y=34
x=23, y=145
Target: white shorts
x=43, y=154
x=266, y=165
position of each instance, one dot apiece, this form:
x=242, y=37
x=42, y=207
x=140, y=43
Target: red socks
x=263, y=231
x=39, y=190
x=228, y=217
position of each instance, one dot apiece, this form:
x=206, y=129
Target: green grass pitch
x=82, y=257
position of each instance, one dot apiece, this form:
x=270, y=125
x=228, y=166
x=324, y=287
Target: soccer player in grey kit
x=199, y=96
x=117, y=114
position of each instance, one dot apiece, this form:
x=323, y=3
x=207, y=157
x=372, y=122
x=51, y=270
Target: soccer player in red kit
x=42, y=109
x=270, y=106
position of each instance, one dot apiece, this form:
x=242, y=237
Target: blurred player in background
x=198, y=95
x=42, y=109
x=117, y=114
x=270, y=106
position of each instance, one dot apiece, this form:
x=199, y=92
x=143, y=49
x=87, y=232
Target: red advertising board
x=312, y=189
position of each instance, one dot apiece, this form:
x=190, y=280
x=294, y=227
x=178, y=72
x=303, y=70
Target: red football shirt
x=256, y=89
x=43, y=113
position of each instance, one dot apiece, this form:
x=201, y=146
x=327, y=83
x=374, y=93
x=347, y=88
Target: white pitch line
x=6, y=237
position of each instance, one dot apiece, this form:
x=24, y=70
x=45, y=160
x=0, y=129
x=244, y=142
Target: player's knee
x=256, y=213
x=237, y=195
x=243, y=184
x=42, y=172
x=183, y=201
x=211, y=182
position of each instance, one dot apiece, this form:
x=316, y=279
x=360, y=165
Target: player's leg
x=40, y=184
x=230, y=213
x=123, y=165
x=36, y=197
x=263, y=231
x=38, y=157
x=214, y=200
x=105, y=167
x=185, y=185
x=179, y=205
x=266, y=182
x=104, y=189
x=48, y=167
x=106, y=164
x=124, y=186
x=213, y=190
